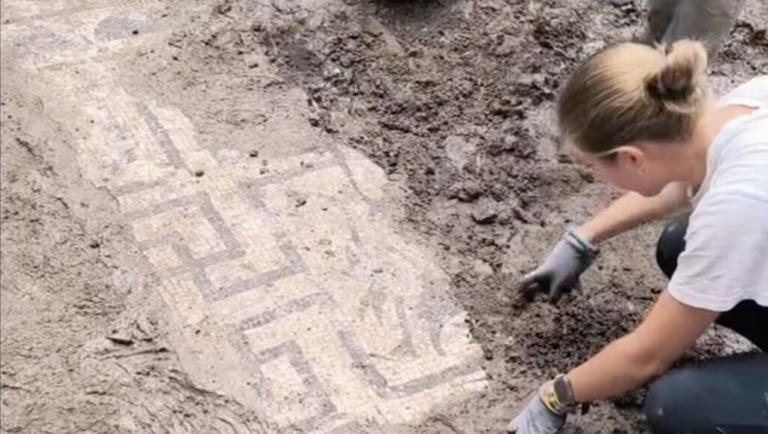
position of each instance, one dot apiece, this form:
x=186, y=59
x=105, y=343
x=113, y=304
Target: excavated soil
x=454, y=99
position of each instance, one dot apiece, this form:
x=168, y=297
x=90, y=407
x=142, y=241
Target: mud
x=454, y=100
x=85, y=347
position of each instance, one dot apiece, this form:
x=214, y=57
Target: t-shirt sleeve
x=726, y=254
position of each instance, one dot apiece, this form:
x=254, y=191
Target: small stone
x=199, y=173
x=482, y=268
x=505, y=45
x=469, y=191
x=94, y=244
x=488, y=354
x=509, y=142
x=485, y=214
x=301, y=202
x=253, y=154
x=135, y=32
x=521, y=215
x=459, y=151
x=121, y=338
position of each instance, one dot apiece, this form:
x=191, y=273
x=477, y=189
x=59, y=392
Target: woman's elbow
x=648, y=361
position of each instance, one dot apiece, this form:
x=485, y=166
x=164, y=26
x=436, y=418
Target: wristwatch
x=559, y=397
x=563, y=391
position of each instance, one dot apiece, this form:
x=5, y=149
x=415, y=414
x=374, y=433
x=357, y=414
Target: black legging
x=724, y=395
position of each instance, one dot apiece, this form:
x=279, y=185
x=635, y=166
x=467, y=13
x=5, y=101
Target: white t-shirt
x=726, y=256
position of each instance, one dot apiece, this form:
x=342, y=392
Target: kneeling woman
x=644, y=120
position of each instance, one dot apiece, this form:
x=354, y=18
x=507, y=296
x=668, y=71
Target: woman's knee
x=669, y=405
x=720, y=395
x=671, y=244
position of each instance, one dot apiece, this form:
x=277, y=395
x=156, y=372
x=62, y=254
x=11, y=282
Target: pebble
x=485, y=214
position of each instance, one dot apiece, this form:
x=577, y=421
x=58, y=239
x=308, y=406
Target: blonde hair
x=632, y=92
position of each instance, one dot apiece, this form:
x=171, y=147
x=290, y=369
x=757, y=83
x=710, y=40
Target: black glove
x=561, y=270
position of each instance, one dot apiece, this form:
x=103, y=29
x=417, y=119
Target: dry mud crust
x=454, y=99
x=84, y=347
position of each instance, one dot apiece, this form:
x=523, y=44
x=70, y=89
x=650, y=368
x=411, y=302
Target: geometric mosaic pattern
x=313, y=305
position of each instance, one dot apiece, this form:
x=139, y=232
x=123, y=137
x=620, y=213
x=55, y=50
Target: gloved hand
x=561, y=270
x=536, y=418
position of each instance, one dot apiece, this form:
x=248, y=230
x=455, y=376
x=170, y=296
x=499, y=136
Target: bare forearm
x=613, y=371
x=624, y=214
x=631, y=210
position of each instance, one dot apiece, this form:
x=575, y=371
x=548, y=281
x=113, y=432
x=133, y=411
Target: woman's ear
x=631, y=158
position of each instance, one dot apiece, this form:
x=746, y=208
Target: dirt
x=84, y=344
x=453, y=98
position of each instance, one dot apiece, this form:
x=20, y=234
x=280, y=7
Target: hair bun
x=684, y=65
